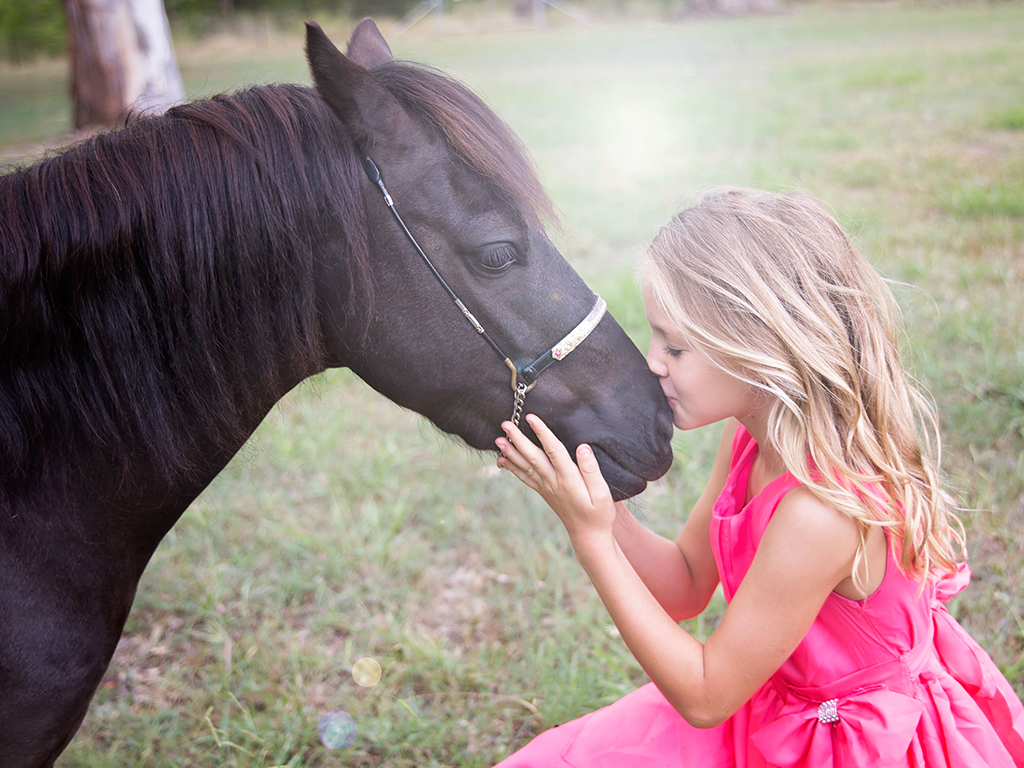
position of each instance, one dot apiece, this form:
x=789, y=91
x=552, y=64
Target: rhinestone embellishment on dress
x=828, y=711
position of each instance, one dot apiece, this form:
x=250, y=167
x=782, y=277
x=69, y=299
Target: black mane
x=153, y=275
x=149, y=273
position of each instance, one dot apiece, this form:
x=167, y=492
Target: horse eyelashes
x=498, y=258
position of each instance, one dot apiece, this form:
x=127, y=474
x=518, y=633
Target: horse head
x=472, y=210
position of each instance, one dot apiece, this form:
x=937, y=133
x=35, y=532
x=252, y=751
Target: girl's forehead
x=652, y=306
x=650, y=295
x=662, y=324
x=659, y=319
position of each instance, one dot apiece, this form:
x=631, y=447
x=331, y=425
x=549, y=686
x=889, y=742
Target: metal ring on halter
x=527, y=373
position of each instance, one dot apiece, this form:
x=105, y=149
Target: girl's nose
x=655, y=363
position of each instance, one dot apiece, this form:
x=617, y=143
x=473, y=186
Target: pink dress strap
x=737, y=526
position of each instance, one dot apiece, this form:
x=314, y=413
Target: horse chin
x=622, y=483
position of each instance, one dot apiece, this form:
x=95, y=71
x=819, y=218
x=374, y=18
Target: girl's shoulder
x=816, y=521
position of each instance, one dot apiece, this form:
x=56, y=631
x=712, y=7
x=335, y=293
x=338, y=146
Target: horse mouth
x=622, y=482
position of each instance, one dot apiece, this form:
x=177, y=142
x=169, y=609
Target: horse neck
x=200, y=283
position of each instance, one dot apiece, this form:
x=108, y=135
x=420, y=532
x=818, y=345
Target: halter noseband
x=524, y=377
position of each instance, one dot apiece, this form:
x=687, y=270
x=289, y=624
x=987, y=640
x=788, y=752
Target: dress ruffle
x=974, y=672
x=874, y=728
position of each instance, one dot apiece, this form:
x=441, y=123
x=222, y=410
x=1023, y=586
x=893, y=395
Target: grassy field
x=349, y=529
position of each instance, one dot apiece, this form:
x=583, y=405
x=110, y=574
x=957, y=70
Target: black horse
x=164, y=285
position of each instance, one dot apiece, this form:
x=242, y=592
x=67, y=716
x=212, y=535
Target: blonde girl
x=823, y=520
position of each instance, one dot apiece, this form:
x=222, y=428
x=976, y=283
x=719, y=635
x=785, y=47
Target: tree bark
x=122, y=60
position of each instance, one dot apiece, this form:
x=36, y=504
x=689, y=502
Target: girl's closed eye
x=672, y=352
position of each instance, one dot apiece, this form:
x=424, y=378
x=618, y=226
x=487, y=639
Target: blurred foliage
x=199, y=11
x=33, y=28
x=30, y=28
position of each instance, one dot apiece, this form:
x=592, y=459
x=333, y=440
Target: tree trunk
x=122, y=60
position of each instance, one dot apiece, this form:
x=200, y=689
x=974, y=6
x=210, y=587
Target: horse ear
x=363, y=105
x=367, y=45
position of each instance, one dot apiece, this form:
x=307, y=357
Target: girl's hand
x=579, y=495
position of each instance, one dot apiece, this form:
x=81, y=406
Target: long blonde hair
x=770, y=289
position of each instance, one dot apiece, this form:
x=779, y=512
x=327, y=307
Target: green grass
x=1008, y=119
x=980, y=201
x=349, y=528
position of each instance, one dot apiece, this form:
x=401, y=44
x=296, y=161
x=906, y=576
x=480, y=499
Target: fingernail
x=584, y=451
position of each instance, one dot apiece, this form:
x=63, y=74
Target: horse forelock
x=152, y=276
x=472, y=132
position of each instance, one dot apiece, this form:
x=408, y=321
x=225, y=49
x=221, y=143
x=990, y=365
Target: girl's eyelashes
x=671, y=352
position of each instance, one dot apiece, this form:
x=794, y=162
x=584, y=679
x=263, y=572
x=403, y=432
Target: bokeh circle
x=366, y=672
x=337, y=729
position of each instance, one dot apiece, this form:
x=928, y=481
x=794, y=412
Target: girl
x=823, y=520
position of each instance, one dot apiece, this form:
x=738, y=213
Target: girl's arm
x=681, y=574
x=807, y=549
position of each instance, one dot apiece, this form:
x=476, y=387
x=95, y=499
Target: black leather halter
x=524, y=377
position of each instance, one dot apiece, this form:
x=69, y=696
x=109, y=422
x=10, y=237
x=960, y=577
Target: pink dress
x=889, y=681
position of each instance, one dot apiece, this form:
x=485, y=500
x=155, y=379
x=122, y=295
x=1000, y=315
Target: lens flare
x=337, y=729
x=366, y=672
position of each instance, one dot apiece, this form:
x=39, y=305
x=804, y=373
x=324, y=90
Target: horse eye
x=497, y=258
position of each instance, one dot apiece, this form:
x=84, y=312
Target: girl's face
x=698, y=392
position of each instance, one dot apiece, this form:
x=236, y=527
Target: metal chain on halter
x=517, y=409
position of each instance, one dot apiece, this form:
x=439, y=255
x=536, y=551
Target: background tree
x=122, y=60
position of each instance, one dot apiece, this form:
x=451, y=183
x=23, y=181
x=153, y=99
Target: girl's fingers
x=519, y=454
x=553, y=448
x=548, y=459
x=592, y=477
x=586, y=462
x=534, y=465
x=518, y=444
x=529, y=450
x=527, y=477
x=576, y=491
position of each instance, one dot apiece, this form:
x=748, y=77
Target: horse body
x=81, y=519
x=164, y=286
